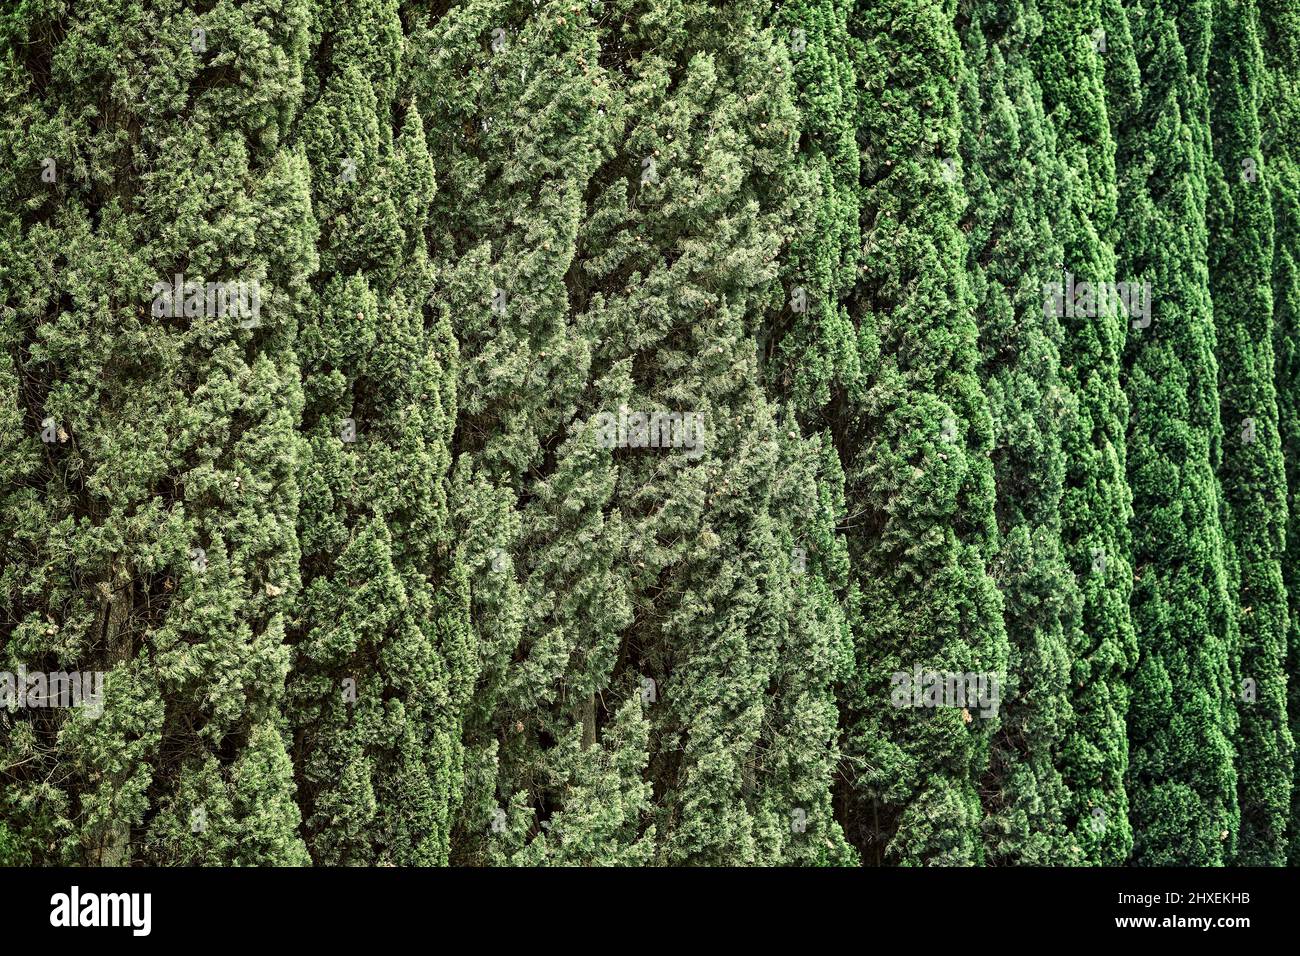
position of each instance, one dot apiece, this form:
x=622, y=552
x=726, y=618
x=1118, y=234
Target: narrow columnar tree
x=1252, y=473
x=1011, y=174
x=916, y=450
x=382, y=664
x=1083, y=49
x=1280, y=169
x=519, y=113
x=811, y=353
x=1182, y=718
x=150, y=527
x=799, y=747
x=682, y=256
x=812, y=347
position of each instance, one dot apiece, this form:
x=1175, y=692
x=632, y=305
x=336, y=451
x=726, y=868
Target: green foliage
x=816, y=351
x=1096, y=504
x=518, y=121
x=381, y=670
x=1011, y=174
x=1252, y=473
x=916, y=451
x=1182, y=720
x=1279, y=31
x=376, y=573
x=152, y=537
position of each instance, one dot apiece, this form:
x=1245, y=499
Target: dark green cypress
x=1083, y=49
x=916, y=449
x=1280, y=170
x=814, y=350
x=1011, y=173
x=812, y=353
x=1182, y=719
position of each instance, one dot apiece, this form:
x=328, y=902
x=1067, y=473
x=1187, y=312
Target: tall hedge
x=649, y=432
x=1084, y=60
x=1011, y=173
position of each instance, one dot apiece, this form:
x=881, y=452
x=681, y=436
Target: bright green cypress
x=1011, y=173
x=24, y=826
x=916, y=449
x=1182, y=783
x=152, y=536
x=1252, y=473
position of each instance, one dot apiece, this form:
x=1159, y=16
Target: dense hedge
x=633, y=432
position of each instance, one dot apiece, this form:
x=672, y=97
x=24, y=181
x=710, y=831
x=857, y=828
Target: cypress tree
x=683, y=245
x=1182, y=719
x=798, y=751
x=150, y=529
x=811, y=353
x=1084, y=49
x=1010, y=172
x=632, y=621
x=814, y=351
x=519, y=113
x=1252, y=472
x=1280, y=170
x=382, y=662
x=916, y=450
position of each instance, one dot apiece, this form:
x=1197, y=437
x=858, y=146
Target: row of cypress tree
x=368, y=580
